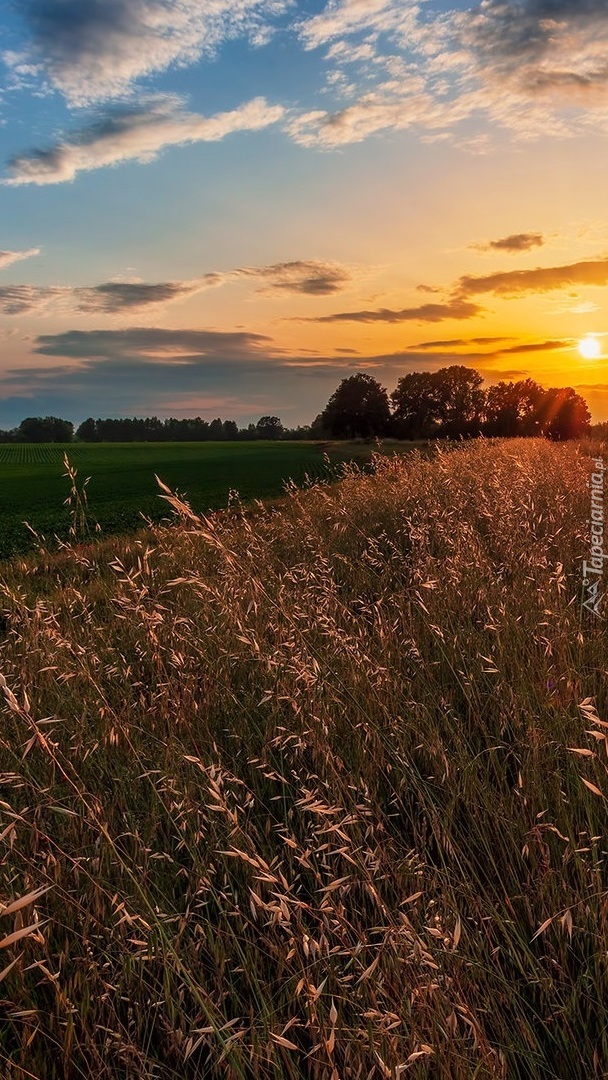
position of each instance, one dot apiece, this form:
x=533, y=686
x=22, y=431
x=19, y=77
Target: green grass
x=122, y=487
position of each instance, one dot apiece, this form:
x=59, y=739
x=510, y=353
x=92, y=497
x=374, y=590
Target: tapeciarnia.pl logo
x=594, y=569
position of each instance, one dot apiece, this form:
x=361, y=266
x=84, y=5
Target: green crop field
x=122, y=487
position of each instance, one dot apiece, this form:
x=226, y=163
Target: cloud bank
x=535, y=67
x=145, y=370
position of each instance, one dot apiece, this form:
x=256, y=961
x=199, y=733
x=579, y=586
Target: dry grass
x=310, y=790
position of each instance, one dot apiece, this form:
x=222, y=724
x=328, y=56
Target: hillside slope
x=310, y=790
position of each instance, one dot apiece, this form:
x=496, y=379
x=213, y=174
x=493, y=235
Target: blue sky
x=224, y=208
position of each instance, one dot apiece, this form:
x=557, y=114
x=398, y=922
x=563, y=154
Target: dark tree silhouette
x=461, y=400
x=87, y=431
x=359, y=408
x=230, y=430
x=563, y=414
x=416, y=405
x=37, y=429
x=511, y=408
x=269, y=427
x=445, y=402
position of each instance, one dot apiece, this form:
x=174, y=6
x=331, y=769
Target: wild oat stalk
x=76, y=501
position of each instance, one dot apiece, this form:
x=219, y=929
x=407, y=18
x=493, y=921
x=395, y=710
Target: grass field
x=313, y=794
x=122, y=486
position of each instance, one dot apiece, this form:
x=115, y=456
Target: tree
x=461, y=400
x=511, y=408
x=359, y=408
x=563, y=414
x=416, y=405
x=269, y=427
x=317, y=428
x=87, y=431
x=230, y=430
x=40, y=429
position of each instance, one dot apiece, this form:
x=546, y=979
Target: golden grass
x=317, y=791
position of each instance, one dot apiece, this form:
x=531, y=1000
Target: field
x=315, y=793
x=122, y=487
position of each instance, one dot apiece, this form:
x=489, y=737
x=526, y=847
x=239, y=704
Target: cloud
x=7, y=258
x=310, y=277
x=459, y=342
x=455, y=309
x=117, y=296
x=29, y=299
x=514, y=243
x=541, y=279
x=147, y=341
x=540, y=45
x=536, y=346
x=523, y=348
x=395, y=110
x=535, y=67
x=92, y=50
x=145, y=370
x=135, y=134
x=494, y=375
x=343, y=17
x=110, y=297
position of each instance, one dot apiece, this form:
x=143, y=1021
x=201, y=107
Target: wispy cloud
x=344, y=17
x=515, y=243
x=92, y=50
x=7, y=258
x=431, y=313
x=135, y=134
x=503, y=350
x=539, y=280
x=310, y=277
x=108, y=298
x=536, y=346
x=456, y=343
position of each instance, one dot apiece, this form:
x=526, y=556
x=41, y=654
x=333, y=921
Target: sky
x=224, y=207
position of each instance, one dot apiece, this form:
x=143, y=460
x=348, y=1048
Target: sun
x=589, y=347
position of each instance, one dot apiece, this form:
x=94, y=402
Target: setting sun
x=590, y=348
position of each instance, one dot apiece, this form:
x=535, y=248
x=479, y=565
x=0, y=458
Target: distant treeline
x=43, y=429
x=448, y=403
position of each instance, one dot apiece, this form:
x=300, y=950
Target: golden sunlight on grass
x=316, y=791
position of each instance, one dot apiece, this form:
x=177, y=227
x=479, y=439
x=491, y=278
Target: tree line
x=42, y=429
x=452, y=403
x=448, y=403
